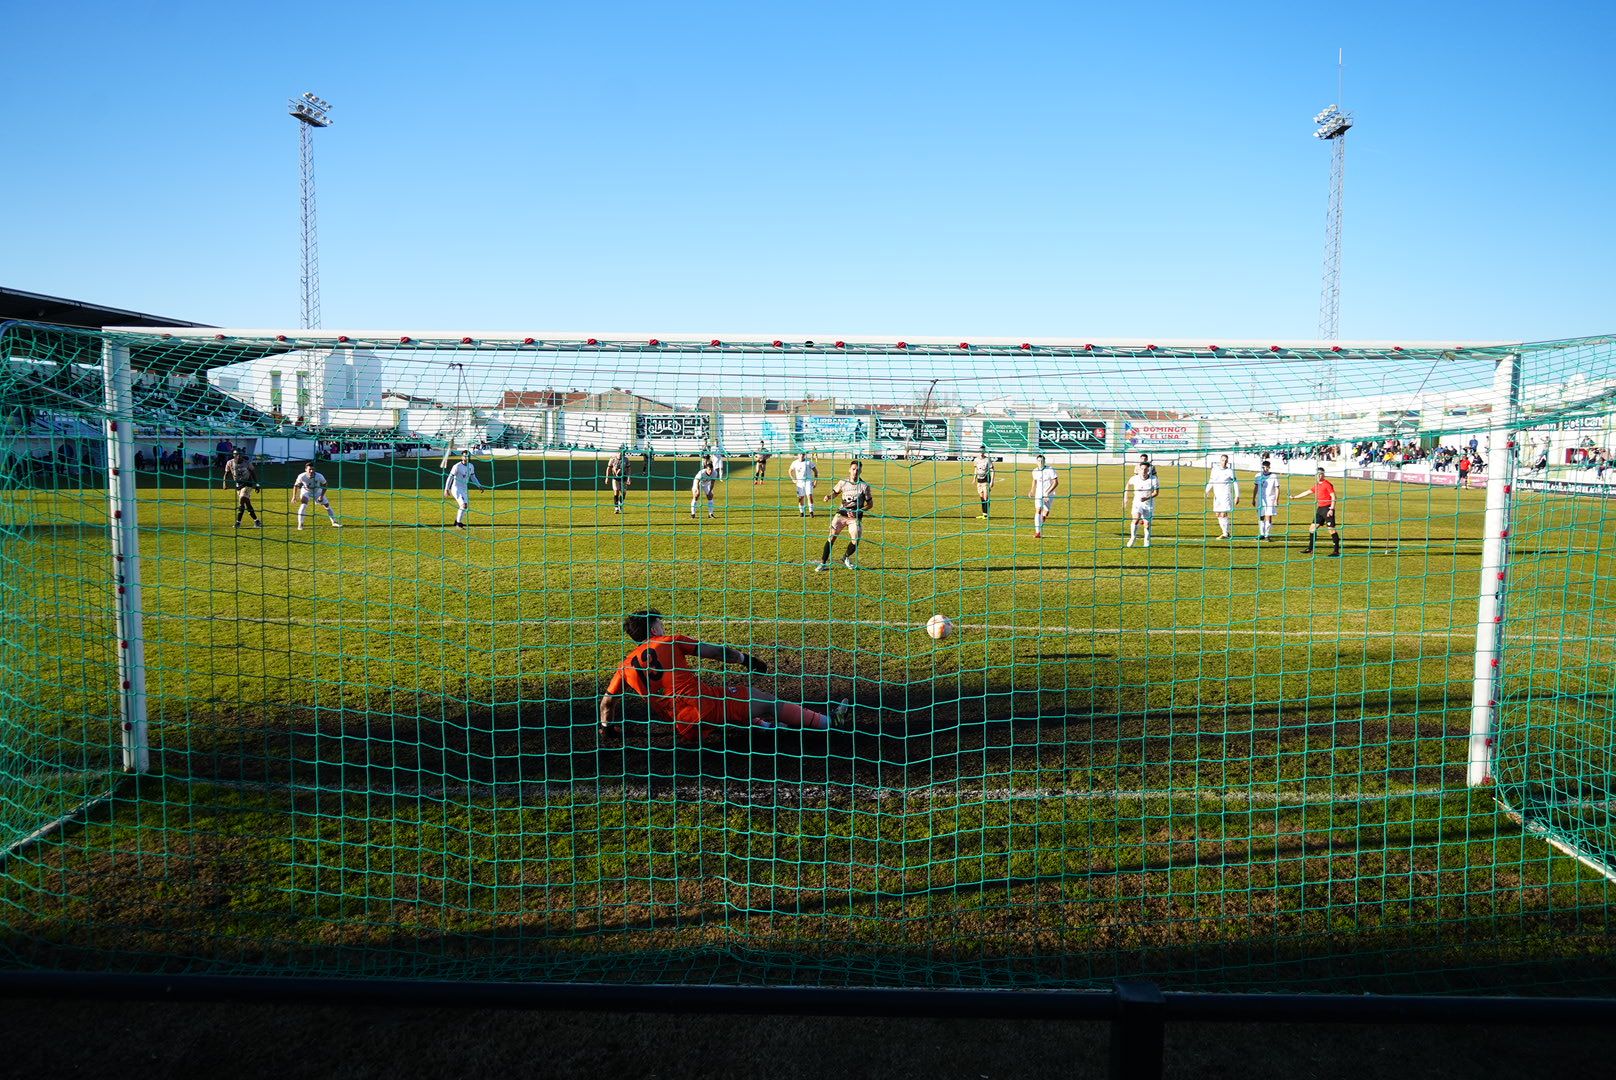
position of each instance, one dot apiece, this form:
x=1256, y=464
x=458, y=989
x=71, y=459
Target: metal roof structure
x=15, y=304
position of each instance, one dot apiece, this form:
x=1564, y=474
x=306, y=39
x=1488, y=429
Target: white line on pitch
x=824, y=795
x=315, y=623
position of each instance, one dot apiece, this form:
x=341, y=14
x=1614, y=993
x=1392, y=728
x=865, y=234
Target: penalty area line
x=405, y=621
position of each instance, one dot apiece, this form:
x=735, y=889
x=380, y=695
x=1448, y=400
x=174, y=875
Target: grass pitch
x=1220, y=763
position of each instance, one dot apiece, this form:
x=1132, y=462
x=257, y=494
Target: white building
x=305, y=386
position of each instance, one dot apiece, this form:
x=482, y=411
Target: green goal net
x=1000, y=663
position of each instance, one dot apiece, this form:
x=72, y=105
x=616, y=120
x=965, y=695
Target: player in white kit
x=702, y=485
x=1224, y=487
x=1265, y=494
x=309, y=487
x=1144, y=487
x=457, y=485
x=803, y=473
x=1044, y=483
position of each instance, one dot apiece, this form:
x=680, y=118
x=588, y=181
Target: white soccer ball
x=939, y=627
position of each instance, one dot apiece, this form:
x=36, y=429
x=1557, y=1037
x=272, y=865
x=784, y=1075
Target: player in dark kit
x=617, y=478
x=240, y=474
x=855, y=498
x=760, y=464
x=983, y=471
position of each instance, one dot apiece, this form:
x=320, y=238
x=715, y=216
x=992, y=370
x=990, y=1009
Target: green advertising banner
x=1004, y=434
x=1072, y=435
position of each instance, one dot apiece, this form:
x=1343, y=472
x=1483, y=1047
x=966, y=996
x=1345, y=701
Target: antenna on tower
x=310, y=112
x=1332, y=126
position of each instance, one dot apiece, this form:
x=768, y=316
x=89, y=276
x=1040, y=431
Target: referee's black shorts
x=1324, y=515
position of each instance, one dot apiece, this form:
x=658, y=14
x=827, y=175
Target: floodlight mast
x=310, y=112
x=1332, y=126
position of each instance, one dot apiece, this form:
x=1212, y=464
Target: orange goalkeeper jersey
x=659, y=670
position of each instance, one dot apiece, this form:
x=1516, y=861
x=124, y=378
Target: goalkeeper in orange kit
x=658, y=669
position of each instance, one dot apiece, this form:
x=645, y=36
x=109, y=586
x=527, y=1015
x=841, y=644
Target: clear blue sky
x=1006, y=169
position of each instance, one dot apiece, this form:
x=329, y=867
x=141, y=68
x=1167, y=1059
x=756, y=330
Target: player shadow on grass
x=912, y=736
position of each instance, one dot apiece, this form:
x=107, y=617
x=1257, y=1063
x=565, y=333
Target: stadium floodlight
x=1332, y=124
x=310, y=112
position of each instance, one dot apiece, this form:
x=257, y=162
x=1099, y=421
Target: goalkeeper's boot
x=841, y=718
x=822, y=567
x=848, y=562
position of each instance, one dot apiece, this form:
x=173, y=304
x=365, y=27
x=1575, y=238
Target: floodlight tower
x=310, y=112
x=1333, y=125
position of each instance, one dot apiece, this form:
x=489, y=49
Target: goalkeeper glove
x=754, y=664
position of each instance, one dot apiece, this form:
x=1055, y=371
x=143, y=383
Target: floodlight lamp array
x=311, y=110
x=1332, y=122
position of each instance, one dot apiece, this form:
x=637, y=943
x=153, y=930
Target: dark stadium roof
x=57, y=319
x=60, y=311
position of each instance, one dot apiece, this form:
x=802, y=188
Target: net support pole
x=1494, y=571
x=123, y=525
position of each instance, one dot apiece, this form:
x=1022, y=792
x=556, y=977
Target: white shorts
x=1268, y=509
x=805, y=489
x=840, y=522
x=1222, y=500
x=1043, y=503
x=698, y=490
x=320, y=499
x=1144, y=511
x=461, y=497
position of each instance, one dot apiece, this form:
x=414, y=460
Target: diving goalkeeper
x=658, y=669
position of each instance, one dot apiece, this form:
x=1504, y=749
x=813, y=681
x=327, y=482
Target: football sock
x=852, y=547
x=825, y=556
x=797, y=716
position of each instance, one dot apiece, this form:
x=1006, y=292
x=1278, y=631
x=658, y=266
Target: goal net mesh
x=1225, y=764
